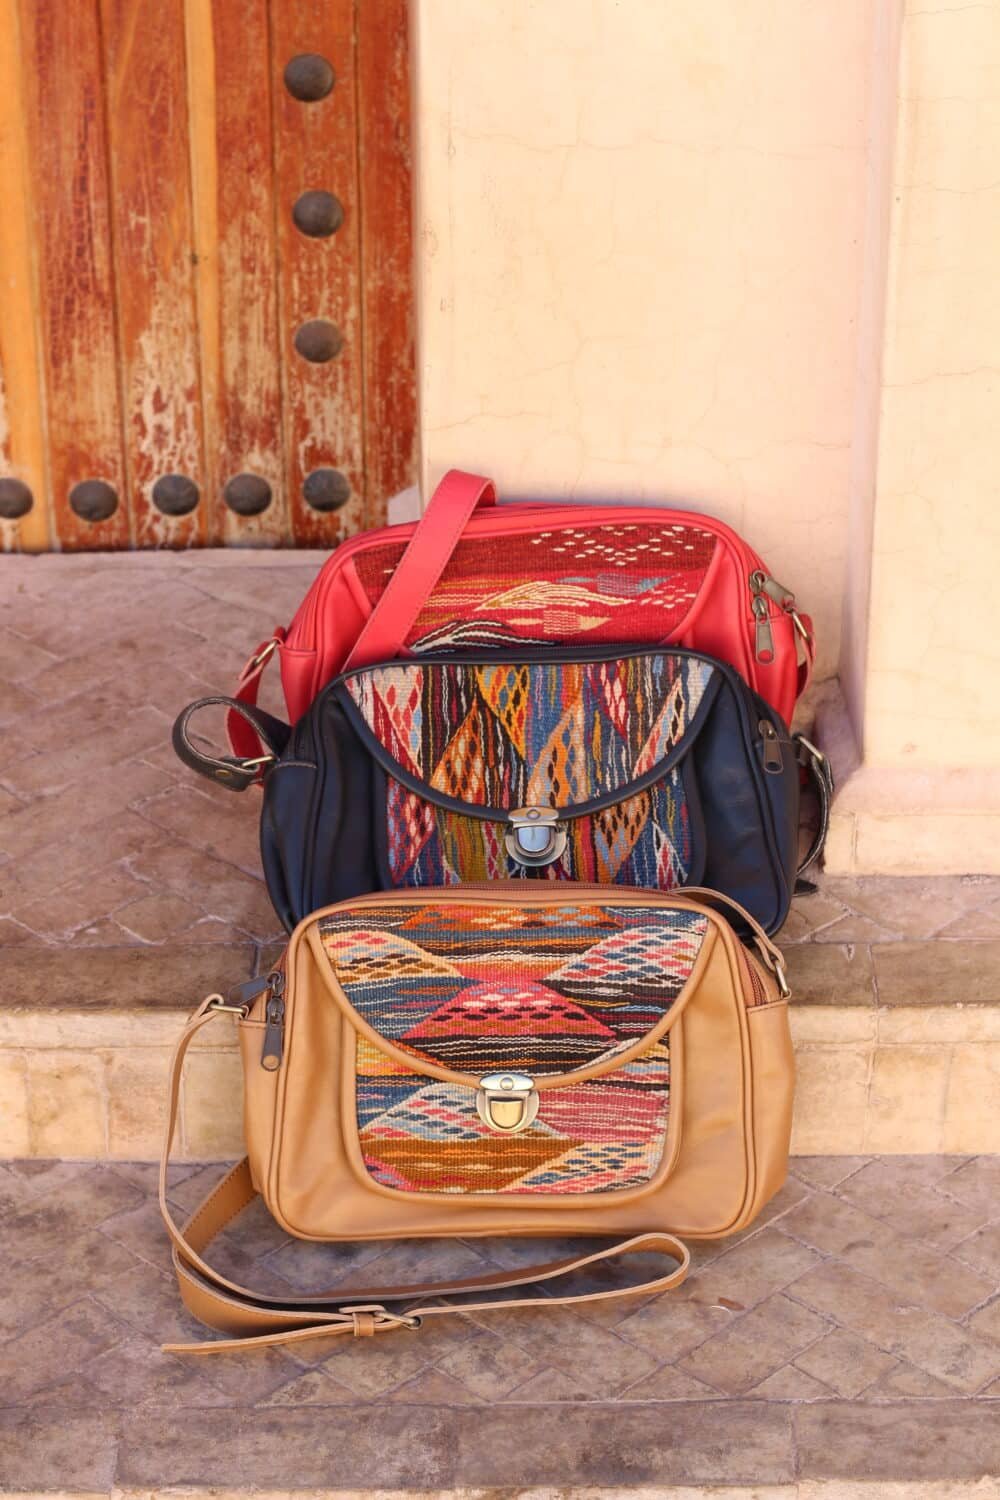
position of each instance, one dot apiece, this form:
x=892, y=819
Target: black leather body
x=362, y=778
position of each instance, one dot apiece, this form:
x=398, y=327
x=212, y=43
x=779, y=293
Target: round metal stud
x=175, y=494
x=247, y=494
x=15, y=499
x=318, y=214
x=309, y=77
x=318, y=341
x=93, y=500
x=326, y=489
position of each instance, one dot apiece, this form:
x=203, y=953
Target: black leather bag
x=656, y=768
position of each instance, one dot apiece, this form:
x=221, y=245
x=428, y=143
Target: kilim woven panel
x=572, y=584
x=543, y=991
x=547, y=733
x=643, y=840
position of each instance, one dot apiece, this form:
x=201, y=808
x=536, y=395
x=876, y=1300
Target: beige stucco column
x=922, y=682
x=741, y=258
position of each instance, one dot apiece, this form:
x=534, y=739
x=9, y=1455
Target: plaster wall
x=742, y=258
x=640, y=256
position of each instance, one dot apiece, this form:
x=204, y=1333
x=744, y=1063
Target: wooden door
x=205, y=271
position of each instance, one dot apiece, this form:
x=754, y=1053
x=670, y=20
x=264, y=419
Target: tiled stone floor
x=108, y=843
x=854, y=1332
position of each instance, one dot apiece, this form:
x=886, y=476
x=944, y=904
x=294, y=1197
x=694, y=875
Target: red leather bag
x=476, y=574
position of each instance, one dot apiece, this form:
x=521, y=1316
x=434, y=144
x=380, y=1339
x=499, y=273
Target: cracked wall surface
x=641, y=251
x=934, y=658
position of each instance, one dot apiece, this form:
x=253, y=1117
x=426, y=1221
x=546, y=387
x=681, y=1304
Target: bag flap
x=459, y=989
x=483, y=737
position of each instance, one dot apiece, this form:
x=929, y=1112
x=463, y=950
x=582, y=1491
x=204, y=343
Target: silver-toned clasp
x=536, y=836
x=507, y=1102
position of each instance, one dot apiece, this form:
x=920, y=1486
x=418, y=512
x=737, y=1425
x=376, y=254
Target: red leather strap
x=451, y=506
x=242, y=737
x=805, y=667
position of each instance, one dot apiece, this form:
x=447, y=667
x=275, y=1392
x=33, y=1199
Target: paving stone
x=928, y=1340
x=846, y=1364
x=47, y=1351
x=914, y=906
x=982, y=1250
x=976, y=1184
x=176, y=976
x=790, y=1384
x=905, y=1440
x=870, y=1245
x=827, y=1171
x=831, y=974
x=930, y=973
x=755, y=1346
x=661, y=1397
x=55, y=1449
x=422, y=1447
x=913, y=1209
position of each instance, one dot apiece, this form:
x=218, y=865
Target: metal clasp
x=507, y=1102
x=536, y=836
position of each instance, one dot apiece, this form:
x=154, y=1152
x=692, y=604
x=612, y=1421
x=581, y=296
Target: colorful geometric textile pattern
x=545, y=991
x=644, y=840
x=619, y=583
x=553, y=734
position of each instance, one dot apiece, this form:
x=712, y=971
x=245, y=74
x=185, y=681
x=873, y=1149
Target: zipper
x=274, y=1031
x=762, y=588
x=504, y=521
x=771, y=747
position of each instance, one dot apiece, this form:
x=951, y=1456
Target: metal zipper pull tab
x=771, y=745
x=764, y=641
x=274, y=1014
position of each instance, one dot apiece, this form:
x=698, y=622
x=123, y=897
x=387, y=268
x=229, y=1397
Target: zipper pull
x=274, y=1032
x=764, y=642
x=762, y=583
x=773, y=762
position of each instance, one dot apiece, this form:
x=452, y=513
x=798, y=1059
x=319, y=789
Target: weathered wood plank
x=64, y=116
x=229, y=93
x=154, y=249
x=22, y=438
x=390, y=398
x=315, y=148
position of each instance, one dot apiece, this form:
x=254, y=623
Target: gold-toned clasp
x=507, y=1102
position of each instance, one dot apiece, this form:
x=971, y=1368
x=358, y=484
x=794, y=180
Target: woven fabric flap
x=544, y=990
x=607, y=581
x=504, y=735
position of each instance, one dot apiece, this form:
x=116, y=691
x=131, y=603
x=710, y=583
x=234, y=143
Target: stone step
x=897, y=1044
x=846, y=1347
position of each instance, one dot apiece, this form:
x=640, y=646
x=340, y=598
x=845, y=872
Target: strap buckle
x=368, y=1317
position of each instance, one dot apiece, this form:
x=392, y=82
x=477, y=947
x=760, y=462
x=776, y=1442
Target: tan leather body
x=726, y=1150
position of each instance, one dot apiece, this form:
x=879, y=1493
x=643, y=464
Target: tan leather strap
x=251, y=1319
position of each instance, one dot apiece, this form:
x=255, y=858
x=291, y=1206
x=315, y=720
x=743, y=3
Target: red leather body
x=481, y=575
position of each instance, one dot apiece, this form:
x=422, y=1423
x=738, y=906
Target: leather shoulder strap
x=250, y=1319
x=453, y=503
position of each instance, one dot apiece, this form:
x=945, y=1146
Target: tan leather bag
x=557, y=1060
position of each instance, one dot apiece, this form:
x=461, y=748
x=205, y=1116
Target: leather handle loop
x=817, y=766
x=229, y=771
x=250, y=1319
x=437, y=534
